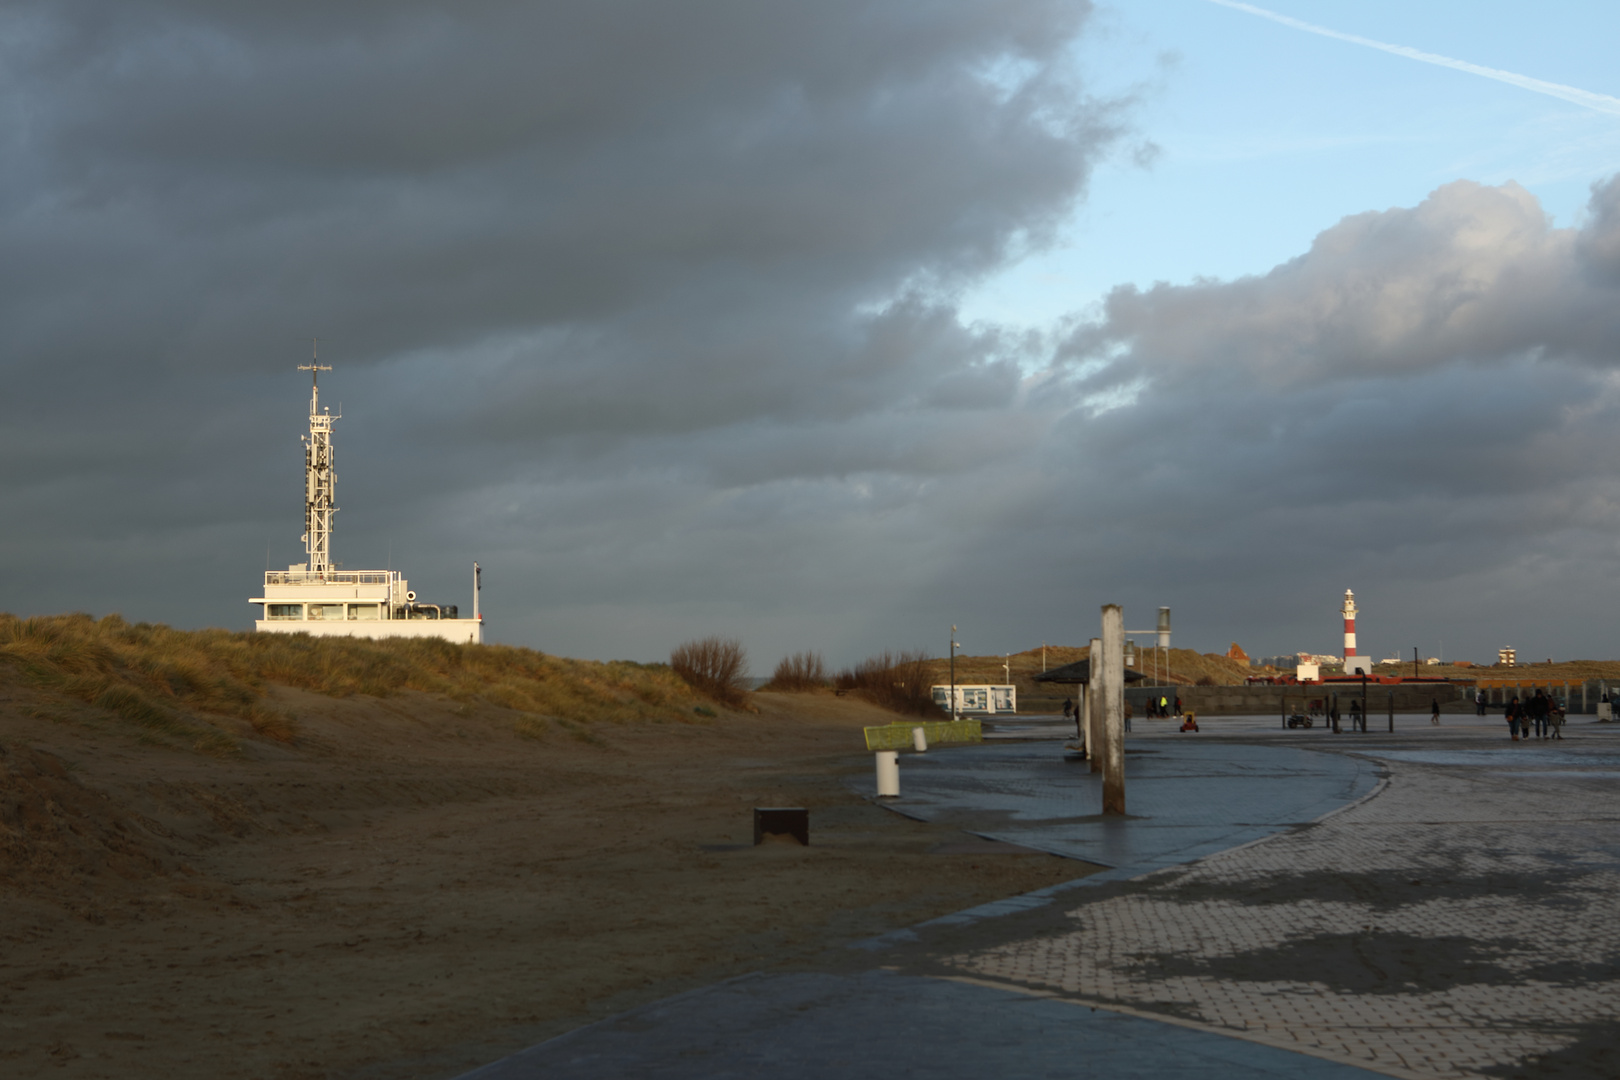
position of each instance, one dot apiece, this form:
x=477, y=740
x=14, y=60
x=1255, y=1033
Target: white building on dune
x=314, y=597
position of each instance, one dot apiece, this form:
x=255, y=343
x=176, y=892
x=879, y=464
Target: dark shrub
x=800, y=672
x=900, y=682
x=716, y=667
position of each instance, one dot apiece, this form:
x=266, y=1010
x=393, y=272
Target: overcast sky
x=823, y=325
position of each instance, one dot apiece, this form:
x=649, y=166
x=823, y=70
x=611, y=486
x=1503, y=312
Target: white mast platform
x=312, y=597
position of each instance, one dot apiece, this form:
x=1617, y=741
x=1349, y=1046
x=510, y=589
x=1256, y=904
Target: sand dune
x=412, y=886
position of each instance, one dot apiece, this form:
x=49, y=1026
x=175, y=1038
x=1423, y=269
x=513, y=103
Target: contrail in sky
x=1574, y=95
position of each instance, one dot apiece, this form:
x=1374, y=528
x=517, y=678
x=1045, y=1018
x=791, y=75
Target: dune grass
x=176, y=683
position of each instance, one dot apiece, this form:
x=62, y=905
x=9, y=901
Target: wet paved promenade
x=1461, y=920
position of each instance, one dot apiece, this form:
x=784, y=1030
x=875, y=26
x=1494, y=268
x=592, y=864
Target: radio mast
x=319, y=479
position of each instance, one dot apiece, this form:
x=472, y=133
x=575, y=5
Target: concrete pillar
x=1392, y=712
x=1082, y=719
x=1584, y=684
x=1111, y=703
x=1094, y=742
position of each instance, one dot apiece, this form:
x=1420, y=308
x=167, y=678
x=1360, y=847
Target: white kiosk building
x=313, y=597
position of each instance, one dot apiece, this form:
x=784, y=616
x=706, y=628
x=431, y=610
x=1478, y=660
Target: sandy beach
x=413, y=888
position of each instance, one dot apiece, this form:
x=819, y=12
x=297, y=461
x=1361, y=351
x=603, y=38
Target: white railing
x=330, y=577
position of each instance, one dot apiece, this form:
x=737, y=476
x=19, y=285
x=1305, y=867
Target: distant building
x=1236, y=653
x=978, y=699
x=1288, y=661
x=1507, y=657
x=315, y=597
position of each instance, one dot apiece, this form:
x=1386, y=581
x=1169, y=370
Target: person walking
x=1539, y=708
x=1434, y=710
x=1557, y=722
x=1479, y=701
x=1178, y=704
x=1513, y=711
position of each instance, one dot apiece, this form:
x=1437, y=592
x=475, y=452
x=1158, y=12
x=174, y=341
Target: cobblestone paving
x=1463, y=921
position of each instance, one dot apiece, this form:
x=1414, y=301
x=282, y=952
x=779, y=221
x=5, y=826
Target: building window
x=326, y=611
x=363, y=611
x=284, y=611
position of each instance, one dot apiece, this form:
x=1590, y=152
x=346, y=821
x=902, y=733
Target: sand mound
x=58, y=837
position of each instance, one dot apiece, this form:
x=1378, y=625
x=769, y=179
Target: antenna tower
x=319, y=479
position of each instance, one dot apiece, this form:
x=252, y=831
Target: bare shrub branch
x=800, y=673
x=900, y=682
x=716, y=667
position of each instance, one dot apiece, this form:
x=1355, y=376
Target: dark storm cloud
x=652, y=310
x=423, y=175
x=592, y=274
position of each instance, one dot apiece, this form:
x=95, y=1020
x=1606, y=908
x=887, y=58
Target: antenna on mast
x=320, y=482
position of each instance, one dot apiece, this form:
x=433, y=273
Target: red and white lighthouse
x=1349, y=629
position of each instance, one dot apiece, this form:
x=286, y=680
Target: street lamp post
x=953, y=671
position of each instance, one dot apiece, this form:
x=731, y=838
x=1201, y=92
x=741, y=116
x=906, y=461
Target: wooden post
x=1112, y=706
x=1094, y=742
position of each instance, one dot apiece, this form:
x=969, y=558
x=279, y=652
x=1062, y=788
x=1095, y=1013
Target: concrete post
x=1112, y=706
x=1094, y=742
x=1082, y=719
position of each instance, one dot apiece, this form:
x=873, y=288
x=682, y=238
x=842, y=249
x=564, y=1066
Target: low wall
x=1269, y=700
x=460, y=631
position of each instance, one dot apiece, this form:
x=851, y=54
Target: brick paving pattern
x=1463, y=921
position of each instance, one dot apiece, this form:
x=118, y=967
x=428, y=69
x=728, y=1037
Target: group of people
x=1541, y=713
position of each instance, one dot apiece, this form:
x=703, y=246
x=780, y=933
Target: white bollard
x=888, y=774
x=919, y=740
